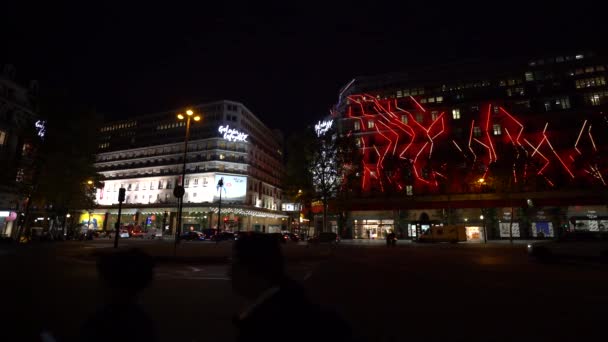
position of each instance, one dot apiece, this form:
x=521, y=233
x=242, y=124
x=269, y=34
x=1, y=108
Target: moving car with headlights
x=575, y=245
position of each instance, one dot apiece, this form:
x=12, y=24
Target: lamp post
x=485, y=235
x=180, y=190
x=220, y=187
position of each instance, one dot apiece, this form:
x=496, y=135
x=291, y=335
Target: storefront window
x=373, y=229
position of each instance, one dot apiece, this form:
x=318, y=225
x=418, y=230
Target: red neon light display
x=406, y=137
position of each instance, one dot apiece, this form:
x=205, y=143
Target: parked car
x=192, y=235
x=137, y=234
x=325, y=238
x=581, y=245
x=291, y=237
x=209, y=233
x=124, y=233
x=223, y=236
x=154, y=233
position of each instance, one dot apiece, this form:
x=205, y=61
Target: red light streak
x=591, y=137
x=488, y=135
x=558, y=157
x=458, y=147
x=579, y=137
x=470, y=138
x=418, y=104
x=517, y=122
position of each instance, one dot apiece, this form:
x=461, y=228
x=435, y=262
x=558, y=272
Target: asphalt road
x=413, y=292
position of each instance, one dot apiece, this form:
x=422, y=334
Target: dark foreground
x=408, y=293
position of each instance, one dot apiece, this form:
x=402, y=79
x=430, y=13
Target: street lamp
x=180, y=190
x=485, y=235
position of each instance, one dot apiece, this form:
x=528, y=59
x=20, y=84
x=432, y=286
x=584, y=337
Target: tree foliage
x=65, y=157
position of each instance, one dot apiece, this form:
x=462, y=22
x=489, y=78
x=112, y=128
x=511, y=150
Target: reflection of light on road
x=490, y=260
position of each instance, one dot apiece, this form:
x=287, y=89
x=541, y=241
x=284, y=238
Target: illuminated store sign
x=232, y=134
x=40, y=128
x=323, y=126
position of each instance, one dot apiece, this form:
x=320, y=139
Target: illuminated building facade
x=145, y=156
x=511, y=149
x=18, y=120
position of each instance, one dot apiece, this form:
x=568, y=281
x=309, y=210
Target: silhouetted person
x=390, y=239
x=276, y=305
x=123, y=275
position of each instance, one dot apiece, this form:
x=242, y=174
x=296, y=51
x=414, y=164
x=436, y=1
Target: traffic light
x=121, y=194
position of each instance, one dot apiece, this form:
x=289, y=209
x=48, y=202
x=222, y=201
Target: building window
x=160, y=185
x=356, y=125
x=547, y=105
x=529, y=76
x=186, y=182
x=404, y=119
x=579, y=56
x=151, y=185
x=439, y=99
x=434, y=115
x=563, y=102
x=476, y=131
x=143, y=186
x=409, y=190
x=194, y=194
x=170, y=184
x=419, y=117
x=594, y=99
x=222, y=156
x=195, y=181
x=496, y=129
x=399, y=93
x=370, y=124
x=456, y=113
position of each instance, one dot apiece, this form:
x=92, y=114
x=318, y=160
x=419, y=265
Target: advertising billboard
x=234, y=189
x=93, y=221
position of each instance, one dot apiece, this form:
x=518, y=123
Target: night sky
x=285, y=61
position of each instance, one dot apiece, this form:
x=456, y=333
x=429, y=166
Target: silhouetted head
x=257, y=264
x=125, y=273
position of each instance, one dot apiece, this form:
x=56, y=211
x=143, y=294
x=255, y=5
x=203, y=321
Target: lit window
x=595, y=99
x=456, y=113
x=409, y=190
x=477, y=131
x=431, y=100
x=422, y=100
x=222, y=156
x=547, y=105
x=404, y=119
x=529, y=76
x=434, y=115
x=399, y=93
x=579, y=56
x=356, y=125
x=563, y=103
x=439, y=99
x=419, y=117
x=496, y=129
x=370, y=124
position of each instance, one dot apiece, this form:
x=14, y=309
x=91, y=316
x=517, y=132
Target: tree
x=64, y=175
x=335, y=168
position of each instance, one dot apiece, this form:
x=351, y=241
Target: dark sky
x=285, y=60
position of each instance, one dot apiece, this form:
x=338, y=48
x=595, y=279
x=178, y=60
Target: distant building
x=144, y=154
x=18, y=121
x=465, y=143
